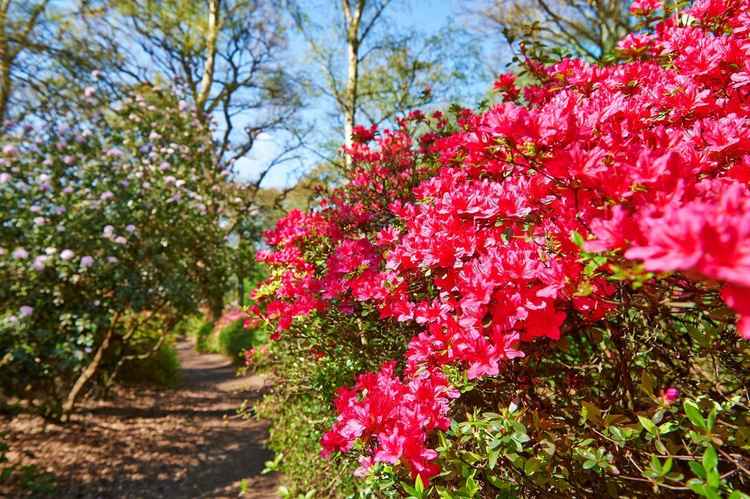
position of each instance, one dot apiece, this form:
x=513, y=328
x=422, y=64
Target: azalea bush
x=550, y=296
x=112, y=218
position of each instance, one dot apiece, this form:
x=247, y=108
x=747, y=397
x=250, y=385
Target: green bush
x=234, y=339
x=300, y=411
x=189, y=326
x=202, y=335
x=141, y=364
x=162, y=368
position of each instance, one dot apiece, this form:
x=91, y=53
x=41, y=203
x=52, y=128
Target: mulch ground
x=147, y=443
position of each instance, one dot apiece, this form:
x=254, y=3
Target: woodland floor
x=186, y=442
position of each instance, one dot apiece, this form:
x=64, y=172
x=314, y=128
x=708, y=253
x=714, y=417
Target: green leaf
x=419, y=486
x=656, y=465
x=444, y=494
x=694, y=414
x=471, y=487
x=409, y=489
x=521, y=437
x=532, y=466
x=697, y=486
x=667, y=466
x=667, y=427
x=577, y=239
x=713, y=478
x=648, y=425
x=660, y=447
x=712, y=418
x=697, y=469
x=710, y=459
x=492, y=459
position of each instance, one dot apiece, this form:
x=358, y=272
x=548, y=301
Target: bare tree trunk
x=353, y=19
x=208, y=71
x=6, y=61
x=89, y=372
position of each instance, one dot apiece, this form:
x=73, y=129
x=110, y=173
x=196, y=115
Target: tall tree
x=17, y=26
x=372, y=70
x=582, y=28
x=41, y=58
x=357, y=31
x=226, y=56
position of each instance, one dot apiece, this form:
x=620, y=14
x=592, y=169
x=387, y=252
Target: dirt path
x=146, y=443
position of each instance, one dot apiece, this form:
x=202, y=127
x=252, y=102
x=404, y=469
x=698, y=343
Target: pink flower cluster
x=397, y=415
x=468, y=234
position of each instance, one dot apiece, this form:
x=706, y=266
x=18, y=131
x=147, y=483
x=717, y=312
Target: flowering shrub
x=109, y=219
x=543, y=256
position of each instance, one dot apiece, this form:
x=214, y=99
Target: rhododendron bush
x=110, y=218
x=571, y=267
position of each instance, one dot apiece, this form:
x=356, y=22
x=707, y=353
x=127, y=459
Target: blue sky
x=424, y=16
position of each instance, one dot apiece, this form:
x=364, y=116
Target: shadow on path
x=188, y=442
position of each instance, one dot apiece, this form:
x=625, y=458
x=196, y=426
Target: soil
x=187, y=442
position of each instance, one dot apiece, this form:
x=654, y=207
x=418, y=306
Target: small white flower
x=87, y=261
x=66, y=254
x=121, y=240
x=25, y=311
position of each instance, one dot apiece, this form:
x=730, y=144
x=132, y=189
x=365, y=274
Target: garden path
x=187, y=442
